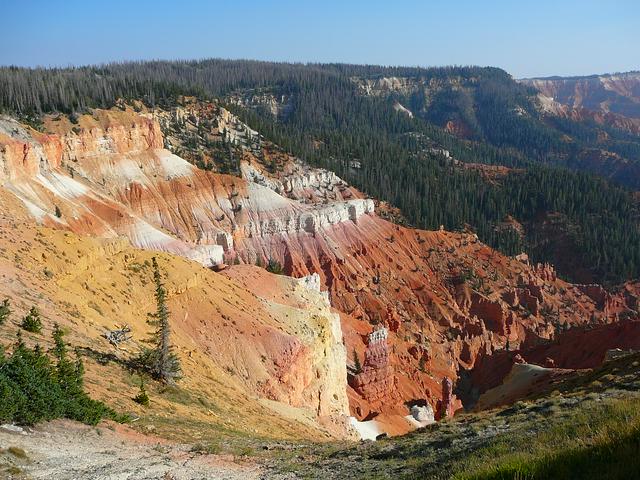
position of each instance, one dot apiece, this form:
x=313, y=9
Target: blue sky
x=538, y=38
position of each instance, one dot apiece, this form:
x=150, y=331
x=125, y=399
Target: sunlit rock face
x=110, y=176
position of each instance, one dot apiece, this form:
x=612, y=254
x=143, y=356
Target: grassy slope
x=596, y=441
x=585, y=429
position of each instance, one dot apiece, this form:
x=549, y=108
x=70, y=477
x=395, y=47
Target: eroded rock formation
x=377, y=383
x=110, y=176
x=447, y=300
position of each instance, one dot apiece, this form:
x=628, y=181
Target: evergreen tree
x=32, y=389
x=160, y=361
x=274, y=266
x=142, y=397
x=69, y=374
x=32, y=322
x=357, y=366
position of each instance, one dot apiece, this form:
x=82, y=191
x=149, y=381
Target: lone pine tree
x=160, y=361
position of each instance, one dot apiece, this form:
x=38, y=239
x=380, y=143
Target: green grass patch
x=17, y=452
x=599, y=442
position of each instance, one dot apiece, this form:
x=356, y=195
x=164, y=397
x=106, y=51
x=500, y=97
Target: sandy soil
x=66, y=450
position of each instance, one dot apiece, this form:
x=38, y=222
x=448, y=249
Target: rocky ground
x=66, y=450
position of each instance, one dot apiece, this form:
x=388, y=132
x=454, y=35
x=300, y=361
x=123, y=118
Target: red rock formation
x=376, y=272
x=546, y=272
x=606, y=100
x=377, y=383
x=577, y=348
x=445, y=409
x=493, y=314
x=598, y=294
x=615, y=95
x=529, y=301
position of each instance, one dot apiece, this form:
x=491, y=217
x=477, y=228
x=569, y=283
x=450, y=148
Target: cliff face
x=445, y=299
x=617, y=94
x=309, y=368
x=607, y=100
x=603, y=102
x=110, y=176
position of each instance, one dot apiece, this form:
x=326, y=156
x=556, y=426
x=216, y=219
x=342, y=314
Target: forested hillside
x=331, y=115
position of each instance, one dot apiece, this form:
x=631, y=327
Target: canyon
x=93, y=199
x=609, y=102
x=618, y=93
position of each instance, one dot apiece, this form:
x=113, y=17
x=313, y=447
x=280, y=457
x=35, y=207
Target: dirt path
x=66, y=450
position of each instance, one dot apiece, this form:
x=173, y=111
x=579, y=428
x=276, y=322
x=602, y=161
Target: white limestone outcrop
x=297, y=182
x=313, y=283
x=311, y=219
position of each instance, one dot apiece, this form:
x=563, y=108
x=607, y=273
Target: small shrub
x=206, y=449
x=5, y=310
x=244, y=451
x=357, y=366
x=17, y=452
x=142, y=398
x=32, y=322
x=422, y=364
x=274, y=266
x=135, y=267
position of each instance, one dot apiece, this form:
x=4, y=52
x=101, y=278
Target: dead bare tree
x=120, y=335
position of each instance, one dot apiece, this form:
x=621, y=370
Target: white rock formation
x=423, y=415
x=312, y=219
x=398, y=107
x=368, y=430
x=297, y=182
x=115, y=179
x=420, y=416
x=312, y=282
